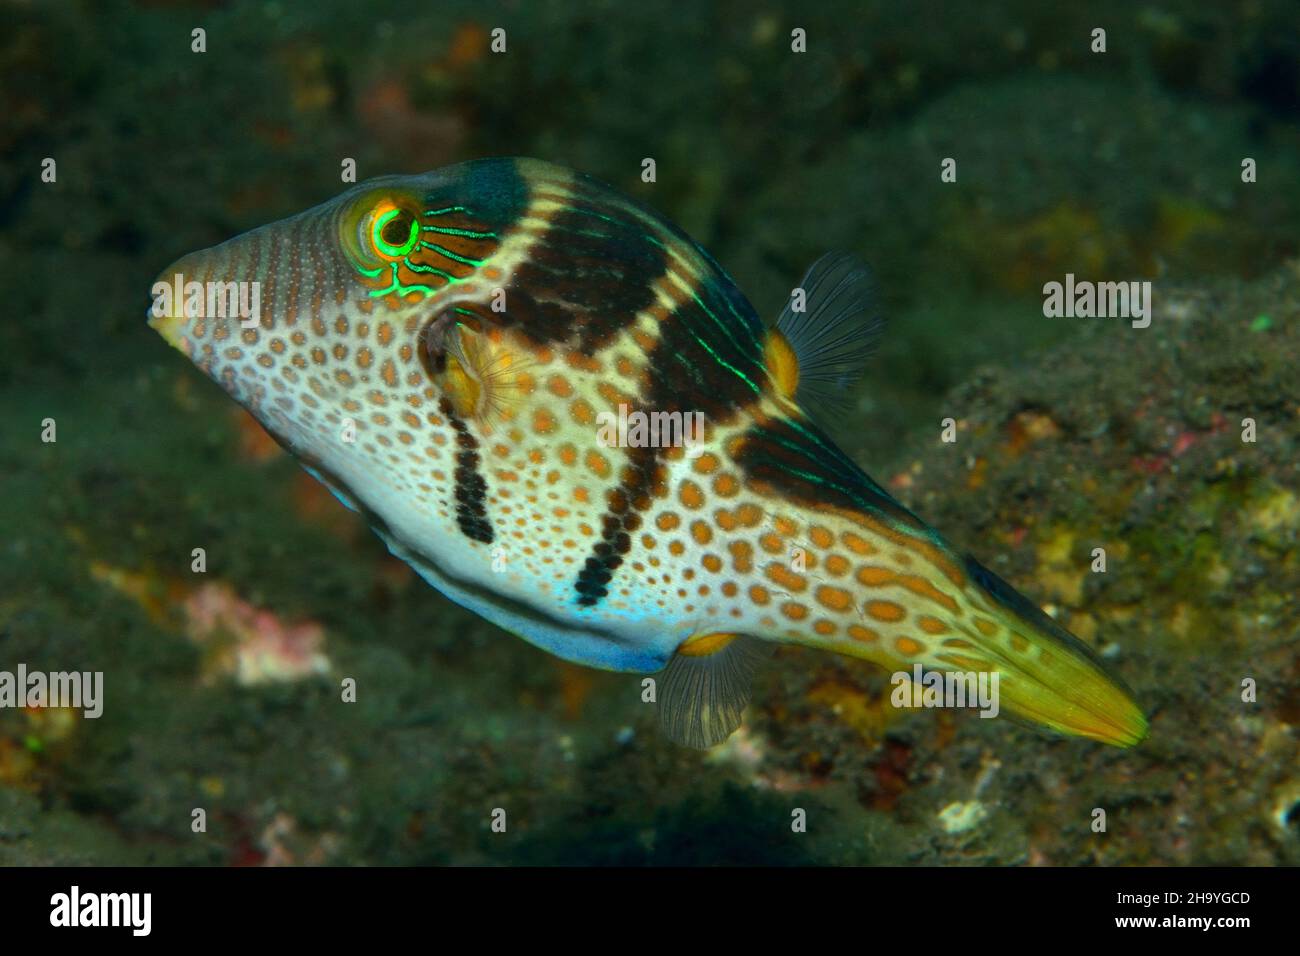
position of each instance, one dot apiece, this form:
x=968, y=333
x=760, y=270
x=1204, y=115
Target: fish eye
x=394, y=231
x=379, y=228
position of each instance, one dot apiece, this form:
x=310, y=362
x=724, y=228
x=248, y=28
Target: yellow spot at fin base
x=703, y=645
x=782, y=363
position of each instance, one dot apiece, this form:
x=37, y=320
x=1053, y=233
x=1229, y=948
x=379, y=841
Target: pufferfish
x=446, y=353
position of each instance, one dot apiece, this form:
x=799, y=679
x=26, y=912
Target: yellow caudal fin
x=1049, y=677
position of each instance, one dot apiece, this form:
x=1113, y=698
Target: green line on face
x=431, y=270
x=451, y=255
x=444, y=210
x=400, y=289
x=468, y=233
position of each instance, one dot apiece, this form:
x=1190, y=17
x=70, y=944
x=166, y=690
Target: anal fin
x=705, y=687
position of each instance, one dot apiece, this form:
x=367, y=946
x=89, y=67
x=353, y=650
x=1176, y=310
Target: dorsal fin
x=833, y=334
x=705, y=687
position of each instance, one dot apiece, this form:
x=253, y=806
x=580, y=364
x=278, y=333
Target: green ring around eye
x=387, y=249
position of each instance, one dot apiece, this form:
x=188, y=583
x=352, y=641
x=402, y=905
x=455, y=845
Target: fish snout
x=201, y=298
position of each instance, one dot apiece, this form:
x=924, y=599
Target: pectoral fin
x=705, y=687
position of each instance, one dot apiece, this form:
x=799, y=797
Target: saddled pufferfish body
x=440, y=350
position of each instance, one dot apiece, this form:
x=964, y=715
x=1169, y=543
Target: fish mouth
x=196, y=295
x=166, y=312
x=171, y=328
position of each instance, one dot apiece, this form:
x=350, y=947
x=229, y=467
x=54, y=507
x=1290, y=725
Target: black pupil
x=397, y=230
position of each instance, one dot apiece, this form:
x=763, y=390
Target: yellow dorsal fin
x=825, y=332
